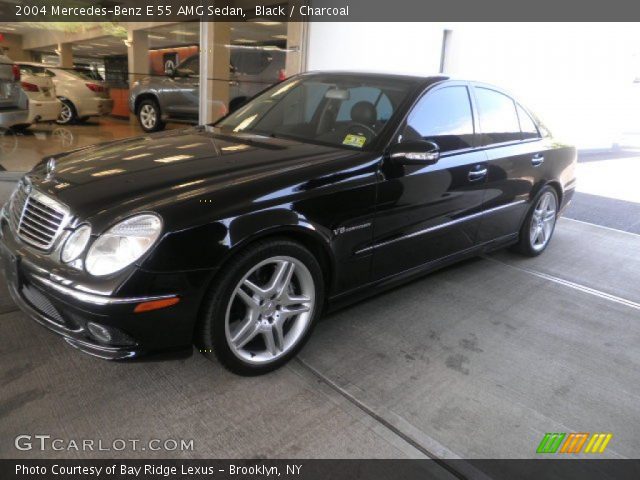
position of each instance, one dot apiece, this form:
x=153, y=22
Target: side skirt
x=370, y=289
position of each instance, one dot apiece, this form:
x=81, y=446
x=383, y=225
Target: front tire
x=149, y=116
x=262, y=308
x=539, y=224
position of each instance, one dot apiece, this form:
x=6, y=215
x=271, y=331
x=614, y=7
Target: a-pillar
x=215, y=58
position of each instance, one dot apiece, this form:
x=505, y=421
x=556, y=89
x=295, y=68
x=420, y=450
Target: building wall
x=412, y=48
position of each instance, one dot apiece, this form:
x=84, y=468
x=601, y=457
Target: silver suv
x=155, y=100
x=14, y=103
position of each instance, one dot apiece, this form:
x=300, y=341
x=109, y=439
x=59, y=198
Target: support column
x=137, y=54
x=137, y=58
x=215, y=38
x=296, y=42
x=65, y=53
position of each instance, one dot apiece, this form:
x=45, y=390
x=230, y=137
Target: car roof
x=373, y=74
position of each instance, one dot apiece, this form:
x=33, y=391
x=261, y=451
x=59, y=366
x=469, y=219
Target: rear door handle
x=537, y=160
x=475, y=175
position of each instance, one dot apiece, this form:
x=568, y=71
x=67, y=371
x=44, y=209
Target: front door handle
x=537, y=160
x=475, y=175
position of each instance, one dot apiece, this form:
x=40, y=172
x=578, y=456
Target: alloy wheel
x=543, y=220
x=270, y=310
x=148, y=116
x=65, y=113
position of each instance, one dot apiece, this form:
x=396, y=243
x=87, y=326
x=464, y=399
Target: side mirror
x=421, y=152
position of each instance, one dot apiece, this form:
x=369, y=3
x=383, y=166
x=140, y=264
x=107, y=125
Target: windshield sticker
x=354, y=140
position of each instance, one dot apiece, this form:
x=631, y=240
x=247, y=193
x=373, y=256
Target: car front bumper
x=77, y=314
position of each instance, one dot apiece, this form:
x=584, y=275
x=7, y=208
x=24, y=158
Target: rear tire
x=539, y=224
x=149, y=116
x=68, y=113
x=262, y=308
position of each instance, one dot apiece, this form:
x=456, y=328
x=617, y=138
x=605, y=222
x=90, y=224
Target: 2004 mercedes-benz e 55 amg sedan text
x=235, y=237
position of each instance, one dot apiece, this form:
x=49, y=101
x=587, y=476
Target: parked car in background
x=320, y=191
x=14, y=104
x=81, y=96
x=44, y=106
x=155, y=100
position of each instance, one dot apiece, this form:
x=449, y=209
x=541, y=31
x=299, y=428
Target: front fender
x=209, y=246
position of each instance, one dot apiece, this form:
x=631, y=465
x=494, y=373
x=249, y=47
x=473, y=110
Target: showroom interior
x=437, y=369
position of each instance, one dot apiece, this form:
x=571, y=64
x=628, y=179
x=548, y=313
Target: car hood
x=133, y=171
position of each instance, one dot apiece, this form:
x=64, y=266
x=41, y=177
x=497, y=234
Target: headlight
x=123, y=244
x=75, y=244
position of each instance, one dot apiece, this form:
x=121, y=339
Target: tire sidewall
x=158, y=125
x=213, y=338
x=525, y=241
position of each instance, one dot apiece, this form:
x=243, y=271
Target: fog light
x=109, y=335
x=99, y=332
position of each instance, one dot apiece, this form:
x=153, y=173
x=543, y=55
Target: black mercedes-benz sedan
x=235, y=237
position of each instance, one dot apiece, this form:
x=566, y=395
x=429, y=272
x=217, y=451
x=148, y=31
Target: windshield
x=332, y=109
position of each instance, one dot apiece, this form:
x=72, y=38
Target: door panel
x=182, y=93
x=426, y=212
x=515, y=155
x=510, y=181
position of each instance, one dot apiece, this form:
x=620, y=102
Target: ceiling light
x=280, y=37
x=245, y=40
x=183, y=32
x=157, y=37
x=268, y=24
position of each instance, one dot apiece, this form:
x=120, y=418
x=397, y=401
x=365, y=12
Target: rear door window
x=527, y=125
x=498, y=117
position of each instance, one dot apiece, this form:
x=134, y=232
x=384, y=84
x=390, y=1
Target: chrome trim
x=38, y=237
x=441, y=226
x=96, y=299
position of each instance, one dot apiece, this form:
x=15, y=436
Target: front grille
x=36, y=218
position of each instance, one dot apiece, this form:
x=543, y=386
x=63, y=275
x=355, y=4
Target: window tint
x=443, y=117
x=366, y=94
x=527, y=125
x=498, y=119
